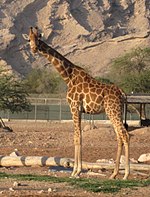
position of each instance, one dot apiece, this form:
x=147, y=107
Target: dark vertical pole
x=143, y=116
x=140, y=113
x=125, y=113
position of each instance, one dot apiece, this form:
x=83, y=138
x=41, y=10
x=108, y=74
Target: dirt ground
x=56, y=139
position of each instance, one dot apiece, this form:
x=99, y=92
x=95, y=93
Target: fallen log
x=17, y=161
x=9, y=161
x=110, y=166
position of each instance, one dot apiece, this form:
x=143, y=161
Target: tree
x=13, y=96
x=41, y=81
x=136, y=83
x=132, y=70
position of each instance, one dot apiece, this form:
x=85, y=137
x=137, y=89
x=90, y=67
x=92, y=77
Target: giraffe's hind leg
x=123, y=139
x=119, y=151
x=114, y=113
x=127, y=165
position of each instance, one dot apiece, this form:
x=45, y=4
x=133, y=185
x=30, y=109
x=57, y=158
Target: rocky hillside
x=88, y=32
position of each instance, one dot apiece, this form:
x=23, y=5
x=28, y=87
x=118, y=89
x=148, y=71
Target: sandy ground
x=56, y=139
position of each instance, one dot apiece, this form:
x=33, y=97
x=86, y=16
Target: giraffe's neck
x=63, y=65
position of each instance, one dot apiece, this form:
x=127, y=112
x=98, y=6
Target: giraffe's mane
x=54, y=53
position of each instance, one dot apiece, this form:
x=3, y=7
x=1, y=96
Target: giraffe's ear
x=26, y=37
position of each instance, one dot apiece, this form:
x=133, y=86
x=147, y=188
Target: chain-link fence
x=55, y=109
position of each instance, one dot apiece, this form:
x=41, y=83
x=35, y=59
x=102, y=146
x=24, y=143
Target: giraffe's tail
x=124, y=95
x=124, y=103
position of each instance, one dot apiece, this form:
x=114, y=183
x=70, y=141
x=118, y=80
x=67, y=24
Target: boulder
x=132, y=160
x=144, y=157
x=15, y=153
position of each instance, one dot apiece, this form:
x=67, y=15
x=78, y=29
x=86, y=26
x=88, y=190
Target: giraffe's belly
x=93, y=108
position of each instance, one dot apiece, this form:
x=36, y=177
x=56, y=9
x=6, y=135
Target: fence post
x=60, y=110
x=35, y=112
x=8, y=115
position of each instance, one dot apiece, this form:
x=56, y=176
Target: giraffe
x=87, y=95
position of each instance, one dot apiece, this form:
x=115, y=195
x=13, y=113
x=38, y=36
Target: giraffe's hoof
x=113, y=176
x=74, y=177
x=73, y=174
x=125, y=177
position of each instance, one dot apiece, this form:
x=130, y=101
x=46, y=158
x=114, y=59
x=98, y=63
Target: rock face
x=88, y=32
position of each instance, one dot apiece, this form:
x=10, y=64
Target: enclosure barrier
x=50, y=109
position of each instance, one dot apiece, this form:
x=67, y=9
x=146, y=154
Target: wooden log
x=110, y=166
x=9, y=161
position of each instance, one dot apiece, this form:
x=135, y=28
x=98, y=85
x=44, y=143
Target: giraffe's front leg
x=77, y=141
x=77, y=162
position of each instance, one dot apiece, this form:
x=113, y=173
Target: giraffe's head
x=33, y=38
